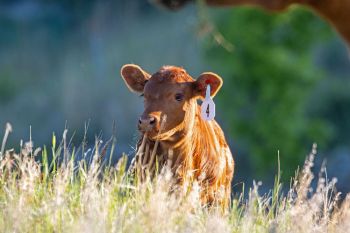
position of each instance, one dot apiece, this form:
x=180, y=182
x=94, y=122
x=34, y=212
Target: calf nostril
x=152, y=120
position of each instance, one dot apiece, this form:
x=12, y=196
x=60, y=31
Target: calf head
x=171, y=92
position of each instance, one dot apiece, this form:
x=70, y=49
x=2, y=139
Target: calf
x=194, y=148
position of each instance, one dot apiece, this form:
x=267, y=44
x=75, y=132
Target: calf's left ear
x=205, y=79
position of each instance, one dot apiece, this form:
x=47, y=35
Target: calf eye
x=179, y=97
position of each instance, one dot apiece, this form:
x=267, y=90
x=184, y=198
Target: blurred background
x=286, y=77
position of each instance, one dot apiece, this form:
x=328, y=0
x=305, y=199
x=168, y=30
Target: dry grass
x=84, y=196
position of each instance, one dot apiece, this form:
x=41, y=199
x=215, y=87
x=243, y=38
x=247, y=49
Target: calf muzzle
x=147, y=123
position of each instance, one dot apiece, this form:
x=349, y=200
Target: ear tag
x=208, y=106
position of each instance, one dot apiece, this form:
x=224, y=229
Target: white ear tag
x=208, y=106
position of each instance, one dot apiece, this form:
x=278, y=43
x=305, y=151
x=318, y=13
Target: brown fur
x=193, y=148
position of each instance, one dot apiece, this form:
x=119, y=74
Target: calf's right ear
x=134, y=77
x=207, y=78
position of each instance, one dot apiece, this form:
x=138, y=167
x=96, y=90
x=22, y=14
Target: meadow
x=50, y=190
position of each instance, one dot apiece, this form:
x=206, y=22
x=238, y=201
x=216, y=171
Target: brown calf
x=337, y=12
x=193, y=148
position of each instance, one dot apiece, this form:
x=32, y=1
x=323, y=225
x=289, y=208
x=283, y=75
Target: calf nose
x=147, y=123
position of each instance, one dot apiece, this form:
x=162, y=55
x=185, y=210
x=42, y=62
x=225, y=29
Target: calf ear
x=207, y=78
x=134, y=77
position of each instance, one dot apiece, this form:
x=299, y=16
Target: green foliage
x=267, y=80
x=334, y=107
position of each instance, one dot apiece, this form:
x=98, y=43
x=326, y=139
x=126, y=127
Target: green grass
x=65, y=195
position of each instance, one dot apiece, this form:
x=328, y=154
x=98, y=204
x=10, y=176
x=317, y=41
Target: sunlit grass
x=64, y=194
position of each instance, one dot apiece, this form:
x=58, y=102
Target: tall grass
x=71, y=195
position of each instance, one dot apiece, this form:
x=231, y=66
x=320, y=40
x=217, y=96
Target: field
x=86, y=195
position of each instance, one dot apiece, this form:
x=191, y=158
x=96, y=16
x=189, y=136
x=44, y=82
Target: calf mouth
x=153, y=132
x=150, y=133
